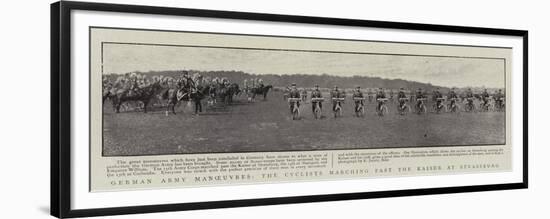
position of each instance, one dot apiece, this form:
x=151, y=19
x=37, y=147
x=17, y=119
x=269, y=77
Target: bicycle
x=318, y=111
x=359, y=106
x=485, y=105
x=403, y=108
x=381, y=109
x=469, y=107
x=421, y=106
x=338, y=108
x=453, y=107
x=439, y=106
x=294, y=109
x=499, y=104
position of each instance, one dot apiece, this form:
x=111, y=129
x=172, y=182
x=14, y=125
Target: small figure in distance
x=381, y=108
x=402, y=99
x=317, y=102
x=453, y=107
x=359, y=99
x=294, y=101
x=469, y=100
x=337, y=98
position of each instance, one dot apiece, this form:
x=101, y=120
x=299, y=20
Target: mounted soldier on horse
x=135, y=88
x=260, y=89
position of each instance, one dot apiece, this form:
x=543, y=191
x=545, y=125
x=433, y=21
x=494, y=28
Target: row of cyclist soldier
x=448, y=103
x=137, y=89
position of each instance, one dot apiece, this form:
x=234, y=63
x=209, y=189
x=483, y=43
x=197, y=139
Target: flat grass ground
x=266, y=126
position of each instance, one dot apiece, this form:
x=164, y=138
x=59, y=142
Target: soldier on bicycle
x=336, y=93
x=485, y=97
x=470, y=97
x=419, y=95
x=452, y=96
x=437, y=96
x=452, y=93
x=294, y=93
x=499, y=98
x=401, y=96
x=358, y=94
x=380, y=95
x=316, y=93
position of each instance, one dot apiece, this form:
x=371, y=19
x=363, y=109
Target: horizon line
x=322, y=74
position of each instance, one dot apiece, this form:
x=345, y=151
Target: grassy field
x=266, y=126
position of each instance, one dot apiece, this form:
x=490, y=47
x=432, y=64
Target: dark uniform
x=470, y=95
x=434, y=94
x=196, y=95
x=452, y=95
x=187, y=85
x=294, y=93
x=380, y=95
x=438, y=94
x=400, y=95
x=316, y=93
x=499, y=98
x=358, y=94
x=485, y=97
x=419, y=95
x=336, y=94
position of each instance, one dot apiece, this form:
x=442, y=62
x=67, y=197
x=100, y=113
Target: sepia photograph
x=156, y=109
x=168, y=109
x=161, y=99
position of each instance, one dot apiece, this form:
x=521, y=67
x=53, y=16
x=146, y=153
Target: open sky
x=442, y=71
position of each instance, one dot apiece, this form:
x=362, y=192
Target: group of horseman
x=252, y=87
x=253, y=83
x=190, y=87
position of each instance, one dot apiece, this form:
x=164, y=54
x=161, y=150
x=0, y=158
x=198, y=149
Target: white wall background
x=24, y=110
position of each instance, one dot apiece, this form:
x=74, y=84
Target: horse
x=143, y=95
x=223, y=93
x=175, y=95
x=109, y=90
x=232, y=90
x=107, y=94
x=261, y=91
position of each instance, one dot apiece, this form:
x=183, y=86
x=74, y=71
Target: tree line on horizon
x=307, y=81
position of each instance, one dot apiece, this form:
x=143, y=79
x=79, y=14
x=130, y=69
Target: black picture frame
x=61, y=110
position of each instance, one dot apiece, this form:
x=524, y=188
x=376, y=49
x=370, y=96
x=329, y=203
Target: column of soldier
x=441, y=103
